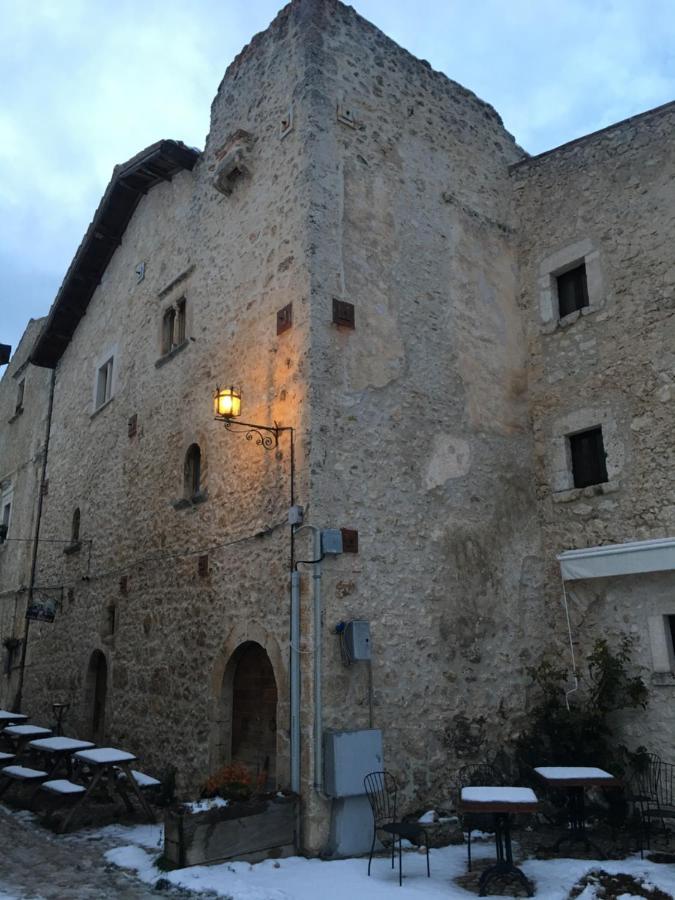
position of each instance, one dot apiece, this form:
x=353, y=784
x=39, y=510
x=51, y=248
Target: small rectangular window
x=572, y=290
x=6, y=512
x=104, y=383
x=670, y=621
x=19, y=395
x=589, y=464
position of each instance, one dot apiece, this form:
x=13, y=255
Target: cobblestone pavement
x=36, y=864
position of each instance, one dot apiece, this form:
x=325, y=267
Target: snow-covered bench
x=141, y=779
x=62, y=787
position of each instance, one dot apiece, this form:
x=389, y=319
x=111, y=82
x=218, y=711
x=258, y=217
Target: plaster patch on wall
x=450, y=458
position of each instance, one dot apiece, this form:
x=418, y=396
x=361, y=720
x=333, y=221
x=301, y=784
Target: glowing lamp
x=227, y=403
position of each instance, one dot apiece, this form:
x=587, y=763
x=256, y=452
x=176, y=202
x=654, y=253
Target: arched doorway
x=254, y=711
x=97, y=688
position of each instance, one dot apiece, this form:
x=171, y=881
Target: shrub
x=581, y=734
x=234, y=782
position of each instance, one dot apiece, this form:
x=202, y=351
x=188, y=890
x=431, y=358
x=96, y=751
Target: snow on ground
x=297, y=878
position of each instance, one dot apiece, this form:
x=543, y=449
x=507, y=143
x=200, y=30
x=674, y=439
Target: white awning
x=618, y=559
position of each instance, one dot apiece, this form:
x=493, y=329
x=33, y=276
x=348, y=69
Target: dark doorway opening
x=97, y=688
x=254, y=713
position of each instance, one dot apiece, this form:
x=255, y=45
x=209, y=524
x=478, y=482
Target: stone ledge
x=101, y=408
x=593, y=490
x=663, y=679
x=190, y=502
x=170, y=355
x=17, y=413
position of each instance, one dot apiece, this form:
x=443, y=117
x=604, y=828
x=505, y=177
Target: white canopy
x=618, y=559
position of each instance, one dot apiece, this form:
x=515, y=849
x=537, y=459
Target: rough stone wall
x=239, y=259
x=608, y=199
x=420, y=436
x=22, y=438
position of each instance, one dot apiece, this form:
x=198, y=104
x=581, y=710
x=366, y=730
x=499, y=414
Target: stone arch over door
x=244, y=729
x=96, y=695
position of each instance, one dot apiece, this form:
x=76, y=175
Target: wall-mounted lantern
x=227, y=409
x=227, y=402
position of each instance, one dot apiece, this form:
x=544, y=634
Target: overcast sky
x=85, y=84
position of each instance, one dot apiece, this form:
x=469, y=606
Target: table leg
x=504, y=867
x=131, y=782
x=82, y=798
x=576, y=814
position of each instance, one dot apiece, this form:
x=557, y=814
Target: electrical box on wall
x=348, y=757
x=331, y=541
x=357, y=640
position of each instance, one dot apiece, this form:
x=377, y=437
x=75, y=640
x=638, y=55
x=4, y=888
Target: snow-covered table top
x=60, y=744
x=574, y=776
x=105, y=756
x=7, y=716
x=492, y=796
x=26, y=730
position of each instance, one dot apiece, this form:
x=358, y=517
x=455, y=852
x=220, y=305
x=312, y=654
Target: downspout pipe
x=295, y=681
x=318, y=701
x=18, y=699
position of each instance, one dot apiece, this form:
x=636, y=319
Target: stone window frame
x=6, y=500
x=178, y=310
x=108, y=358
x=569, y=257
x=186, y=498
x=561, y=476
x=662, y=648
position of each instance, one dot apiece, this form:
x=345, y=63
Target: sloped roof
x=129, y=182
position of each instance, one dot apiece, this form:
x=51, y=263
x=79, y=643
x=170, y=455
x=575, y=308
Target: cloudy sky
x=85, y=84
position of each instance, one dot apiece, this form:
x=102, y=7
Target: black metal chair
x=652, y=792
x=475, y=776
x=381, y=790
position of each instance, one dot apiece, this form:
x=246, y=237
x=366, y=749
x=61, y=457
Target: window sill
x=101, y=407
x=663, y=679
x=593, y=490
x=190, y=502
x=163, y=360
x=17, y=413
x=554, y=324
x=75, y=547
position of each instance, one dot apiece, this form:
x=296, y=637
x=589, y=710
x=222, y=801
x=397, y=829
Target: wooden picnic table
x=107, y=764
x=9, y=718
x=502, y=802
x=575, y=780
x=59, y=750
x=20, y=735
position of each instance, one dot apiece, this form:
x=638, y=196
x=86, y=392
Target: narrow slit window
x=168, y=327
x=104, y=383
x=75, y=527
x=589, y=460
x=19, y=395
x=179, y=330
x=572, y=290
x=192, y=472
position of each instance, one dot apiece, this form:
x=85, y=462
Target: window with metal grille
x=589, y=464
x=572, y=290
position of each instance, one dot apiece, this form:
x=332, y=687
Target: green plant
x=581, y=734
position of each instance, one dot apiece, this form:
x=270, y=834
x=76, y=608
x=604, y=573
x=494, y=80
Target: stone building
x=24, y=411
x=449, y=334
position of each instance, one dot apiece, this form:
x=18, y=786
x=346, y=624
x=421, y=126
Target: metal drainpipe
x=33, y=565
x=295, y=682
x=318, y=708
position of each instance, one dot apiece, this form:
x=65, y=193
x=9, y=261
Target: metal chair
x=475, y=776
x=381, y=790
x=653, y=794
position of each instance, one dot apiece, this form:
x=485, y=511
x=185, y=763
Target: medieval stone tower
x=359, y=250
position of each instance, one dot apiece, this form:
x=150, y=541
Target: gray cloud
x=87, y=83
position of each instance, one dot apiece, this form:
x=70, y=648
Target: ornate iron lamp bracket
x=264, y=436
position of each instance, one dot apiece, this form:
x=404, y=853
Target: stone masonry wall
x=22, y=438
x=420, y=436
x=238, y=259
x=608, y=200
